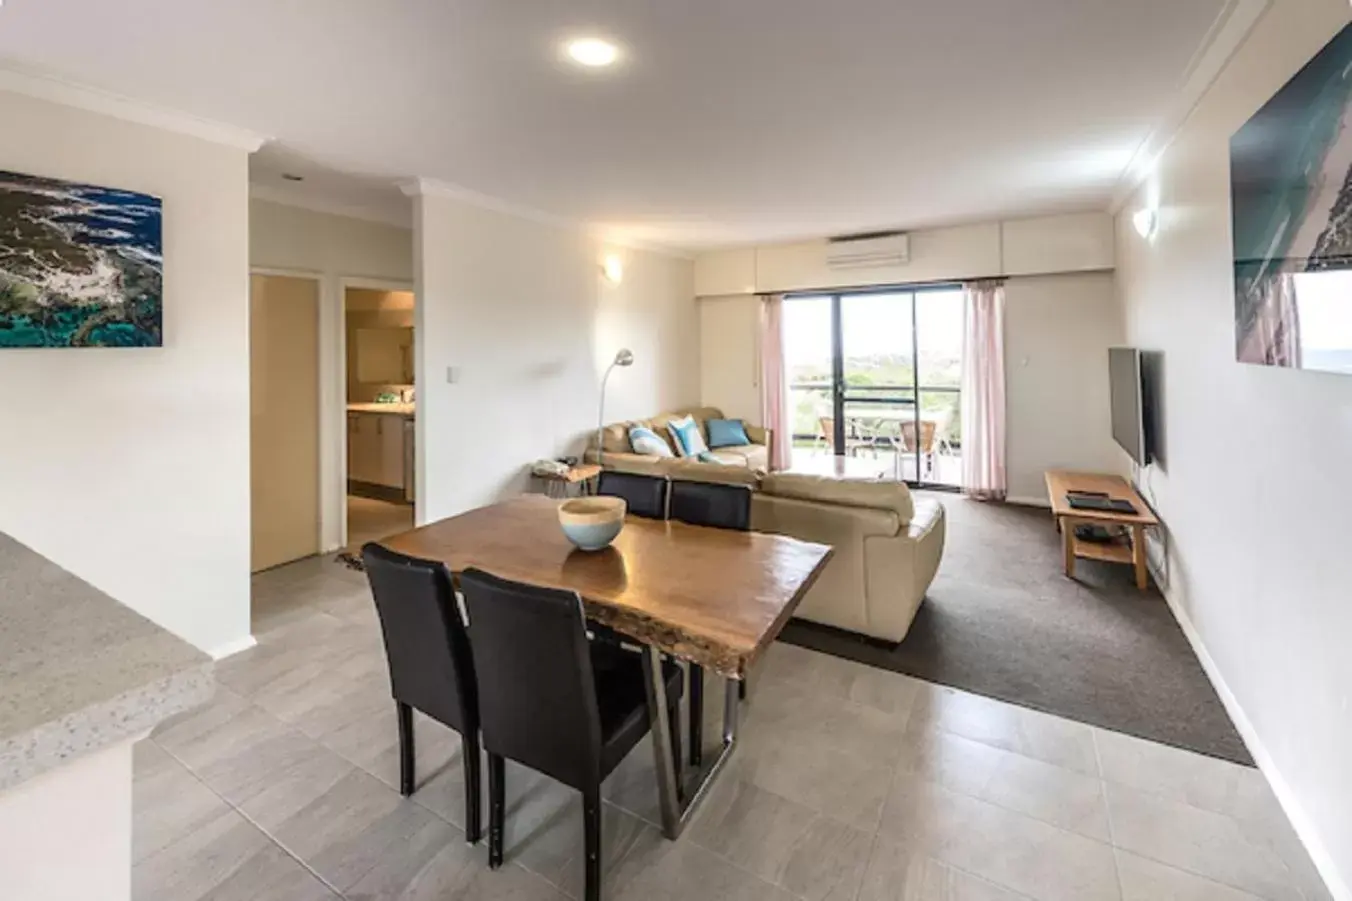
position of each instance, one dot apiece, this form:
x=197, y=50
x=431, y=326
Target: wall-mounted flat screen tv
x=1128, y=404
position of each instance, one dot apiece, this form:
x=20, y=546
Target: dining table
x=716, y=598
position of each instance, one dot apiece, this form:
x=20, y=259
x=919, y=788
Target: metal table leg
x=675, y=814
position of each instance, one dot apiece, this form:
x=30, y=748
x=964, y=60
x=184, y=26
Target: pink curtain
x=774, y=387
x=983, y=392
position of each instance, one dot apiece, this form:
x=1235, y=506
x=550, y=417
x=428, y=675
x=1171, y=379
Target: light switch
x=452, y=375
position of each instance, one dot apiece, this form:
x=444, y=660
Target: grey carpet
x=1002, y=620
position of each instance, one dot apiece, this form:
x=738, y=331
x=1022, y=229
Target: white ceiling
x=729, y=120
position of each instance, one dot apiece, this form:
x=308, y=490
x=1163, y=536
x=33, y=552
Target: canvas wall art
x=80, y=265
x=1291, y=189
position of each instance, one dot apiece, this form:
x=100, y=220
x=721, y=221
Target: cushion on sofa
x=687, y=437
x=727, y=433
x=893, y=496
x=752, y=456
x=647, y=442
x=718, y=473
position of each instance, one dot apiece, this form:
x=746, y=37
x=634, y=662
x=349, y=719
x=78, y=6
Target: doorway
x=381, y=411
x=876, y=375
x=284, y=418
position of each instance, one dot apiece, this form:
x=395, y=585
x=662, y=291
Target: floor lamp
x=624, y=358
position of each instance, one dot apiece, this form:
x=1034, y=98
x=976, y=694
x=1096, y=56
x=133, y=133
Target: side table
x=581, y=478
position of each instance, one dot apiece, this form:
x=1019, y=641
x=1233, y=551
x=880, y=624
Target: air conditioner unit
x=868, y=251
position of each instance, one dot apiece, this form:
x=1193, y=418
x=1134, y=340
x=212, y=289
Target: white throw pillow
x=646, y=441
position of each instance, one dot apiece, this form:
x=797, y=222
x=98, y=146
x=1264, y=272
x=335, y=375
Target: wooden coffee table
x=1061, y=482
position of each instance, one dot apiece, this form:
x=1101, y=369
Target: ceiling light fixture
x=612, y=267
x=593, y=52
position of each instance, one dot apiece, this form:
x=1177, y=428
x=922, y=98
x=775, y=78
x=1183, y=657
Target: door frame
x=322, y=292
x=839, y=393
x=335, y=399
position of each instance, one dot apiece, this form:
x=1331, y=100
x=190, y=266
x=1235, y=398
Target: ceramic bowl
x=592, y=523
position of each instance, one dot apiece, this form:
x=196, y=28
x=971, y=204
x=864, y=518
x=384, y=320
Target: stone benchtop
x=79, y=671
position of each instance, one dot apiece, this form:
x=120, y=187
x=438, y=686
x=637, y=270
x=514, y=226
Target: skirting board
x=232, y=648
x=1030, y=502
x=1305, y=830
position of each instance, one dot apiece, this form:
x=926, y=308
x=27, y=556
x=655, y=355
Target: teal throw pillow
x=646, y=441
x=727, y=433
x=686, y=435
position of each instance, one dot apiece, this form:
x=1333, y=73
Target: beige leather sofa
x=887, y=547
x=619, y=455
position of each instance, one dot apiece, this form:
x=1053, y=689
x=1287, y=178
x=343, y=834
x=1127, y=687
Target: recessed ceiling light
x=286, y=175
x=593, y=52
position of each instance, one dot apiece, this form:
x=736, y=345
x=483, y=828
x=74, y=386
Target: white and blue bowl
x=591, y=523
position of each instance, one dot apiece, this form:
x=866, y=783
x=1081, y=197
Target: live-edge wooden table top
x=713, y=596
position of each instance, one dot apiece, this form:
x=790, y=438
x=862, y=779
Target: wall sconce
x=613, y=269
x=1147, y=222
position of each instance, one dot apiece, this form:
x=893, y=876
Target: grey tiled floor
x=851, y=784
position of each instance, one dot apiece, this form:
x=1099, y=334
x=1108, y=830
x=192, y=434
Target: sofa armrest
x=758, y=434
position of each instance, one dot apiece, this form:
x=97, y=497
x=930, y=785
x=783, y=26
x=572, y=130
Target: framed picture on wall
x=1291, y=194
x=80, y=265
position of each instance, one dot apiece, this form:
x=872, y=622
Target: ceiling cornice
x=431, y=187
x=1222, y=40
x=284, y=197
x=55, y=90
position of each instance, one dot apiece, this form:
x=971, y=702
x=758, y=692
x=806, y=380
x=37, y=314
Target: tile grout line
x=1107, y=811
x=244, y=816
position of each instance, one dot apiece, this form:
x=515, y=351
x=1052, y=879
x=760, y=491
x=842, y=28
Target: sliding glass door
x=874, y=378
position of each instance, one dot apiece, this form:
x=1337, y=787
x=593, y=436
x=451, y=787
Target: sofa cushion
x=701, y=415
x=614, y=438
x=893, y=496
x=686, y=435
x=718, y=473
x=727, y=433
x=645, y=441
x=752, y=456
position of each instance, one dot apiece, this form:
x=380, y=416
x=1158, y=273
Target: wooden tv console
x=1060, y=482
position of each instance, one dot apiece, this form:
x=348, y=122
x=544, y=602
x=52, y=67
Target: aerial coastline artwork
x=80, y=265
x=1291, y=201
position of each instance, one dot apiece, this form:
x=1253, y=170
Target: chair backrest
x=927, y=428
x=426, y=647
x=708, y=504
x=537, y=692
x=645, y=495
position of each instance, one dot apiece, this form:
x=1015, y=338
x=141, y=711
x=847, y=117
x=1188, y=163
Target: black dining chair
x=552, y=700
x=645, y=495
x=430, y=662
x=719, y=507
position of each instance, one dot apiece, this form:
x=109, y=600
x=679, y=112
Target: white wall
x=130, y=468
x=1075, y=242
x=289, y=237
x=1256, y=494
x=1057, y=332
x=519, y=310
x=332, y=248
x=729, y=330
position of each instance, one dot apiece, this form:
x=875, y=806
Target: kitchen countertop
x=407, y=410
x=79, y=671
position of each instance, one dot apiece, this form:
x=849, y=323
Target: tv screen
x=1124, y=375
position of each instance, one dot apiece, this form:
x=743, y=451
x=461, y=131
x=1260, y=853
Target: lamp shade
x=624, y=358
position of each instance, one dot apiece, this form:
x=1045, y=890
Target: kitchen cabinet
x=378, y=450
